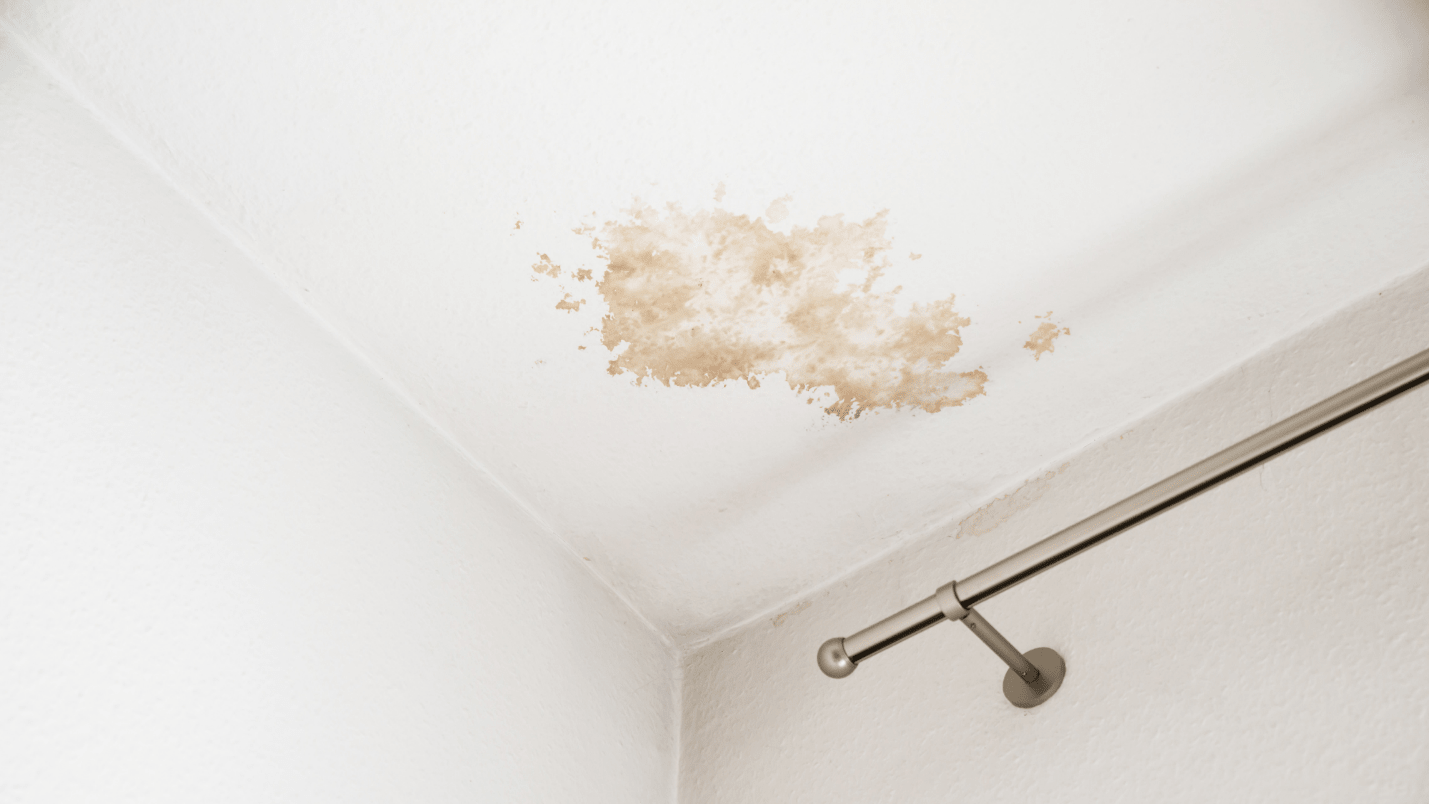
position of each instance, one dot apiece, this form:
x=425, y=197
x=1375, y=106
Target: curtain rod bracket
x=1030, y=679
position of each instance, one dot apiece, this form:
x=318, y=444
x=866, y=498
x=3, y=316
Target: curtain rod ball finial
x=833, y=660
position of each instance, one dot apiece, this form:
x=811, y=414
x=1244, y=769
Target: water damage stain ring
x=704, y=297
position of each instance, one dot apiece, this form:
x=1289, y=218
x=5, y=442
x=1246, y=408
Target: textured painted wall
x=1262, y=642
x=233, y=566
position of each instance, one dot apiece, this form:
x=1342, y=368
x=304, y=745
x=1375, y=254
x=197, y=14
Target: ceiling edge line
x=113, y=128
x=1091, y=442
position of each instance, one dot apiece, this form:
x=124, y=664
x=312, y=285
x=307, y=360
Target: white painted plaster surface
x=233, y=566
x=1183, y=185
x=1261, y=643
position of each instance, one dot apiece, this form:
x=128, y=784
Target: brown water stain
x=700, y=298
x=778, y=209
x=567, y=304
x=984, y=519
x=543, y=265
x=1042, y=338
x=778, y=620
x=719, y=193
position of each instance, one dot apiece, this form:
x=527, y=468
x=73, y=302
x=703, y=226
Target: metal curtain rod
x=1033, y=678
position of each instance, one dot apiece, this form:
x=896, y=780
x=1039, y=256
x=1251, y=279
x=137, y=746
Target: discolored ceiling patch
x=778, y=209
x=545, y=267
x=779, y=619
x=999, y=510
x=700, y=298
x=1041, y=340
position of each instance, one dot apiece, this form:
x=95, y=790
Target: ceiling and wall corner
x=1234, y=649
x=1170, y=190
x=234, y=567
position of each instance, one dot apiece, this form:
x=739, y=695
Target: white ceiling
x=1179, y=185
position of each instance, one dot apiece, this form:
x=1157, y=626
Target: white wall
x=1266, y=641
x=233, y=565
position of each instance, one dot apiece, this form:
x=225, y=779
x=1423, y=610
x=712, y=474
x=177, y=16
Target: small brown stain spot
x=719, y=193
x=568, y=304
x=778, y=209
x=587, y=558
x=914, y=257
x=582, y=348
x=999, y=510
x=583, y=275
x=517, y=226
x=1042, y=337
x=543, y=265
x=701, y=298
x=779, y=619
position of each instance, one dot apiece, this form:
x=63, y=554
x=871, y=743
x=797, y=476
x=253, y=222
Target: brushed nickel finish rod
x=1030, y=679
x=839, y=656
x=994, y=639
